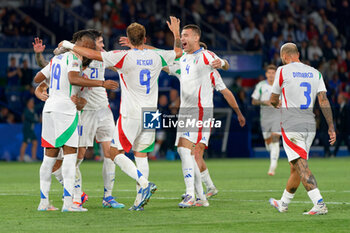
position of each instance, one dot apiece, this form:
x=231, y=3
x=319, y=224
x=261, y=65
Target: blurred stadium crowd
x=319, y=27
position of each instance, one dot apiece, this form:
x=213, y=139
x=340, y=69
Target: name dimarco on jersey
x=302, y=75
x=140, y=62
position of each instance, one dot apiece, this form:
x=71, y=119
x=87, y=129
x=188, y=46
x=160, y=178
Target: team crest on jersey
x=75, y=64
x=152, y=119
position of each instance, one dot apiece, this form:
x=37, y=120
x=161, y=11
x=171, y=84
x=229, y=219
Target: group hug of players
x=76, y=111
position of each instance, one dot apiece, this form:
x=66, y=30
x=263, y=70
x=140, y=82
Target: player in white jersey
x=218, y=85
x=299, y=84
x=60, y=119
x=197, y=68
x=269, y=117
x=95, y=119
x=139, y=69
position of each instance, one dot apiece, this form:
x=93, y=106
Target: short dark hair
x=90, y=33
x=95, y=32
x=271, y=67
x=136, y=33
x=204, y=45
x=194, y=28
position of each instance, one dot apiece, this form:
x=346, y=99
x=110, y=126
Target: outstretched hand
x=38, y=45
x=174, y=25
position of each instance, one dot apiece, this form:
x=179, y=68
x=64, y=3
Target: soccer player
x=197, y=67
x=218, y=85
x=95, y=119
x=299, y=84
x=139, y=69
x=60, y=119
x=269, y=117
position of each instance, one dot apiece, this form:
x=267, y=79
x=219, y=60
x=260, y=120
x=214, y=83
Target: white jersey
x=60, y=89
x=298, y=84
x=262, y=92
x=97, y=95
x=138, y=72
x=197, y=79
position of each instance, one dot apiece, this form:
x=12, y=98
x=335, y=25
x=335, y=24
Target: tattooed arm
x=327, y=113
x=174, y=26
x=39, y=49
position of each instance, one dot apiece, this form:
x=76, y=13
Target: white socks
x=315, y=196
x=45, y=177
x=287, y=197
x=78, y=182
x=142, y=165
x=198, y=181
x=129, y=168
x=274, y=155
x=205, y=176
x=58, y=175
x=187, y=169
x=68, y=173
x=108, y=174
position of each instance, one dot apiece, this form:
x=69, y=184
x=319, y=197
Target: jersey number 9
x=146, y=82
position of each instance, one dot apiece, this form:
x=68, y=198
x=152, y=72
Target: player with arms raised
x=269, y=117
x=299, y=84
x=139, y=69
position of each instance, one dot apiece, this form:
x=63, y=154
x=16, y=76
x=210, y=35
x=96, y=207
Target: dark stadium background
x=247, y=33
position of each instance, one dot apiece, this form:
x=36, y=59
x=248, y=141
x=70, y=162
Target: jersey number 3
x=306, y=94
x=145, y=82
x=56, y=74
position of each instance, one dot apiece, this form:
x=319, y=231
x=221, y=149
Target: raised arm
x=174, y=26
x=85, y=52
x=327, y=113
x=231, y=100
x=39, y=49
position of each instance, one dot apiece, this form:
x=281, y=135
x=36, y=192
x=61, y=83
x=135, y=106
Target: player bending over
x=269, y=117
x=299, y=85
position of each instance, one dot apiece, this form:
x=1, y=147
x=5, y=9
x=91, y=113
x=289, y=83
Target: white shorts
x=59, y=129
x=128, y=135
x=297, y=144
x=99, y=123
x=270, y=126
x=194, y=134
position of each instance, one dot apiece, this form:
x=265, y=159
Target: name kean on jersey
x=302, y=75
x=144, y=62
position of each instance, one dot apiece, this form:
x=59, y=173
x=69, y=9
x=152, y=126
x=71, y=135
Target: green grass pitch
x=241, y=205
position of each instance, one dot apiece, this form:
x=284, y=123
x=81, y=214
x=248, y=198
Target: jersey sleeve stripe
x=300, y=151
x=200, y=116
x=119, y=65
x=281, y=78
x=122, y=137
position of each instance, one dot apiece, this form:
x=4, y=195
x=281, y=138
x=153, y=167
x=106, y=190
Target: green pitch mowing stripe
x=241, y=205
